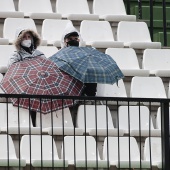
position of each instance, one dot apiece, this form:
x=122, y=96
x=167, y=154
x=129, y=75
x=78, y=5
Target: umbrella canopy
x=87, y=65
x=39, y=76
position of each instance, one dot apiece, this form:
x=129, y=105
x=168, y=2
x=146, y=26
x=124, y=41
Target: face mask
x=73, y=43
x=26, y=43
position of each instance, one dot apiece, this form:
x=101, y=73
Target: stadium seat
x=75, y=10
x=52, y=31
x=85, y=150
x=116, y=150
x=135, y=35
x=6, y=51
x=4, y=41
x=9, y=120
x=91, y=117
x=11, y=24
x=129, y=118
x=157, y=61
x=98, y=34
x=43, y=151
x=152, y=148
x=147, y=87
x=158, y=118
x=127, y=61
x=7, y=10
x=112, y=10
x=39, y=9
x=48, y=50
x=62, y=123
x=107, y=90
x=8, y=157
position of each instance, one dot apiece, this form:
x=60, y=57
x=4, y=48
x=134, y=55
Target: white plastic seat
x=39, y=9
x=91, y=117
x=107, y=90
x=157, y=61
x=52, y=31
x=135, y=35
x=75, y=10
x=7, y=153
x=11, y=24
x=4, y=41
x=158, y=118
x=129, y=118
x=119, y=153
x=7, y=10
x=147, y=87
x=48, y=50
x=6, y=51
x=127, y=61
x=9, y=120
x=80, y=146
x=152, y=148
x=43, y=149
x=112, y=10
x=98, y=34
x=62, y=123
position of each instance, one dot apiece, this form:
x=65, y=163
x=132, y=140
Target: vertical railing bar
x=150, y=135
x=139, y=9
x=151, y=19
x=41, y=134
x=107, y=141
x=118, y=136
x=164, y=22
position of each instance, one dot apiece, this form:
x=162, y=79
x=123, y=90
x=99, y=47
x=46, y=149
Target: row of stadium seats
x=154, y=62
x=109, y=10
x=19, y=121
x=86, y=151
x=97, y=34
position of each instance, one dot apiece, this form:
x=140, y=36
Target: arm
x=13, y=58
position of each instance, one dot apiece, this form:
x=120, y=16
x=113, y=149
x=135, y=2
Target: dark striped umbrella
x=87, y=65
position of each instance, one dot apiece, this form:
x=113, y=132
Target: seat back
x=40, y=145
x=72, y=7
x=52, y=29
x=11, y=24
x=84, y=147
x=152, y=148
x=10, y=115
x=156, y=59
x=129, y=118
x=6, y=51
x=114, y=90
x=7, y=5
x=125, y=58
x=111, y=7
x=43, y=6
x=92, y=117
x=48, y=50
x=147, y=87
x=60, y=118
x=99, y=31
x=118, y=149
x=7, y=147
x=133, y=32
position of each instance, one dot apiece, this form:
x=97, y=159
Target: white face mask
x=26, y=43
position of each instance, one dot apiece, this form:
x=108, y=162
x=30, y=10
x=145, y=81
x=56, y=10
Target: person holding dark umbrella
x=26, y=44
x=71, y=37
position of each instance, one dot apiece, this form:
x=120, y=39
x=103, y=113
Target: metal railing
x=64, y=150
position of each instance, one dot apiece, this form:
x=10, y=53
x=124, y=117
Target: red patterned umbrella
x=39, y=76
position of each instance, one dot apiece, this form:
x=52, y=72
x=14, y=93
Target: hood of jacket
x=19, y=35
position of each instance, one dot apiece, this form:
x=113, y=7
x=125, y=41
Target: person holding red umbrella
x=26, y=44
